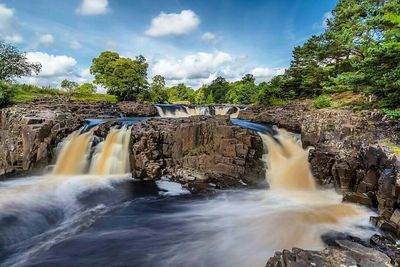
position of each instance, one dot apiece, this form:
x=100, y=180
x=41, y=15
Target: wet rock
x=197, y=151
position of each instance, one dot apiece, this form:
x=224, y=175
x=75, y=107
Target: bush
x=85, y=89
x=395, y=114
x=7, y=92
x=322, y=102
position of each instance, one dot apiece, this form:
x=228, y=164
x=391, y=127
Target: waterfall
x=198, y=110
x=222, y=110
x=112, y=155
x=73, y=156
x=288, y=172
x=167, y=110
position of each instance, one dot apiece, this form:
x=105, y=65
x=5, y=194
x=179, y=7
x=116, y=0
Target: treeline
x=358, y=51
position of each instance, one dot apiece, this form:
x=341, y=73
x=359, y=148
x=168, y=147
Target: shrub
x=85, y=89
x=7, y=92
x=322, y=102
x=395, y=114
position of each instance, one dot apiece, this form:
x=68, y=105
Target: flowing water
x=178, y=111
x=95, y=214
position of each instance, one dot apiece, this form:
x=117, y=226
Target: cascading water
x=222, y=110
x=73, y=156
x=112, y=156
x=44, y=221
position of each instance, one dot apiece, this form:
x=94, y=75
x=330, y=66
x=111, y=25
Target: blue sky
x=184, y=40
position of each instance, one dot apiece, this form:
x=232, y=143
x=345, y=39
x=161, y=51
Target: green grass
x=322, y=102
x=96, y=97
x=26, y=93
x=393, y=113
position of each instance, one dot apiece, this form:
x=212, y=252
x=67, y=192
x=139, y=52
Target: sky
x=184, y=40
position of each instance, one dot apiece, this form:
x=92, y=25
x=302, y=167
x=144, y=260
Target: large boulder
x=133, y=109
x=199, y=151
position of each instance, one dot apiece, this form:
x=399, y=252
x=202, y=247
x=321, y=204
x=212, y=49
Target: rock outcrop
x=29, y=136
x=198, y=151
x=133, y=109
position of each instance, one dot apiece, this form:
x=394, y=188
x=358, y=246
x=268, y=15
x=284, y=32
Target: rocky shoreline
x=352, y=152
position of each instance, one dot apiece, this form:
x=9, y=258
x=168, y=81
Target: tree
x=158, y=91
x=218, y=90
x=14, y=64
x=7, y=93
x=123, y=77
x=85, y=89
x=68, y=85
x=179, y=93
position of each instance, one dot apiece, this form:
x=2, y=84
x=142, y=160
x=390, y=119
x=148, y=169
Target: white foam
x=171, y=188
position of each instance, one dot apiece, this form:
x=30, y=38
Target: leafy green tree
x=123, y=77
x=68, y=85
x=179, y=93
x=158, y=91
x=85, y=89
x=14, y=64
x=218, y=90
x=7, y=93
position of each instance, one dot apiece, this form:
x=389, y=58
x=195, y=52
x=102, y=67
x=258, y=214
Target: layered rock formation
x=350, y=152
x=197, y=151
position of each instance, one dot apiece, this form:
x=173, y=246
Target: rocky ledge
x=200, y=152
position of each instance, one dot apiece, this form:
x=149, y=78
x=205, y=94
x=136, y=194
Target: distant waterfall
x=110, y=157
x=177, y=111
x=222, y=110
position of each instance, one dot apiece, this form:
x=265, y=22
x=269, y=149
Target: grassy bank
x=26, y=93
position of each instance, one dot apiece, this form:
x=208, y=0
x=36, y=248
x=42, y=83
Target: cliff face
x=197, y=151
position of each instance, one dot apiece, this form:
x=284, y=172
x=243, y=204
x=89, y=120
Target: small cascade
x=112, y=155
x=198, y=110
x=222, y=110
x=288, y=172
x=73, y=156
x=166, y=110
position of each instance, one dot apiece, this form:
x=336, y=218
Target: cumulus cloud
x=266, y=74
x=173, y=23
x=211, y=38
x=14, y=38
x=9, y=25
x=74, y=44
x=199, y=65
x=46, y=39
x=93, y=7
x=52, y=65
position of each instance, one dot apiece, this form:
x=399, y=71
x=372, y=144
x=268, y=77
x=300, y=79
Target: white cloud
x=52, y=65
x=266, y=74
x=14, y=38
x=75, y=44
x=9, y=25
x=93, y=7
x=199, y=65
x=46, y=39
x=173, y=23
x=211, y=38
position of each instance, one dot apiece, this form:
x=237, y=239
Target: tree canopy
x=123, y=77
x=14, y=64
